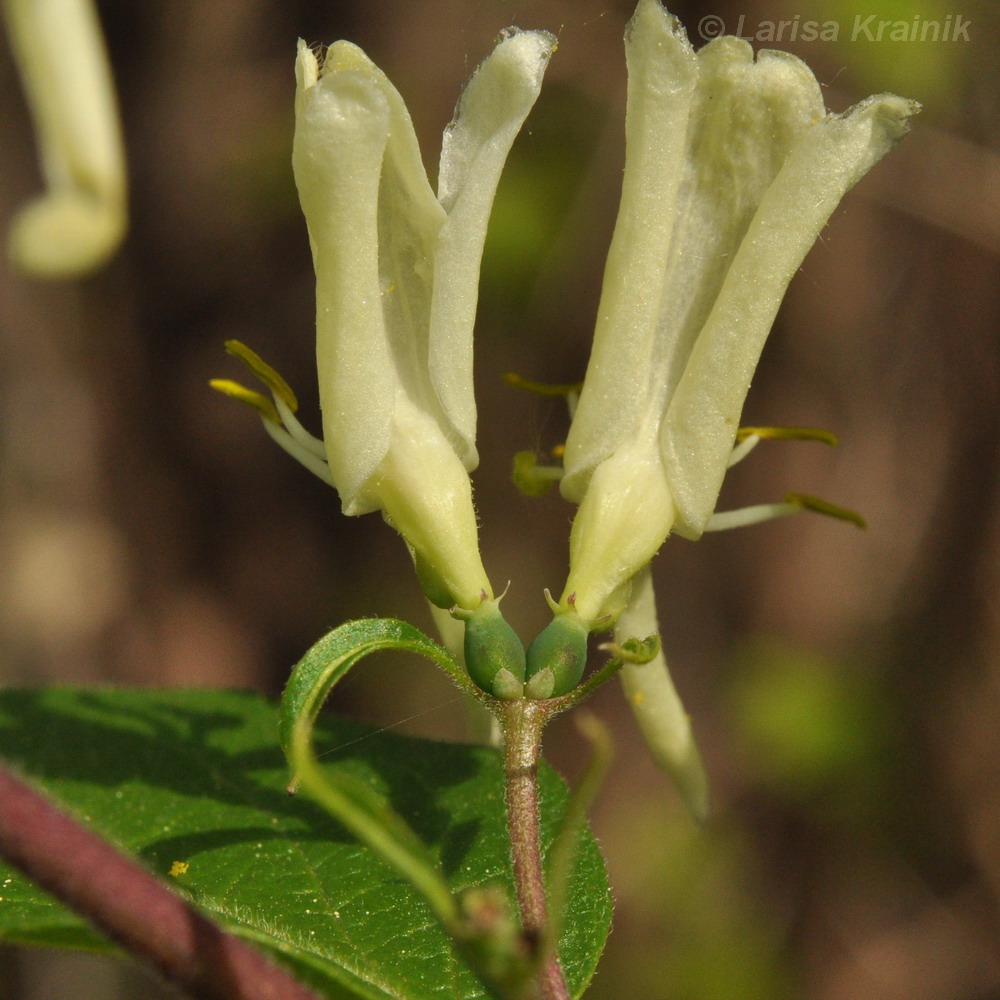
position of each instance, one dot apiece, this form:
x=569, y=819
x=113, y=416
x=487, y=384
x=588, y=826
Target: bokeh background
x=844, y=685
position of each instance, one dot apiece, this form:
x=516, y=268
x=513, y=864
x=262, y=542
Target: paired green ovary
x=497, y=662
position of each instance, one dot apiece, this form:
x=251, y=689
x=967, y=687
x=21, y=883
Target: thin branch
x=123, y=900
x=523, y=721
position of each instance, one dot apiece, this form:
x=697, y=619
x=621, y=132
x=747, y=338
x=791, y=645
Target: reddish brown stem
x=129, y=905
x=522, y=727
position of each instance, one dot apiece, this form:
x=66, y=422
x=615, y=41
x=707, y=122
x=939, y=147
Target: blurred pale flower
x=80, y=221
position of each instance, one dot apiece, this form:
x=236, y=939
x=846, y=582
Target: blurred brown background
x=845, y=685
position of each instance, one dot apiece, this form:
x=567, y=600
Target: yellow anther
x=558, y=451
x=788, y=434
x=819, y=506
x=542, y=388
x=264, y=372
x=256, y=400
x=532, y=479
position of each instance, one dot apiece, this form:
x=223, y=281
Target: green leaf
x=329, y=659
x=197, y=777
x=353, y=803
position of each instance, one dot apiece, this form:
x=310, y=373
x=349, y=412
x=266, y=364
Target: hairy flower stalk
x=733, y=166
x=80, y=221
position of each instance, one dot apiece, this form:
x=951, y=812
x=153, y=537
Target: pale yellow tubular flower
x=656, y=705
x=80, y=221
x=733, y=166
x=397, y=271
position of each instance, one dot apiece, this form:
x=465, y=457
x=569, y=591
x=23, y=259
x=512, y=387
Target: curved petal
x=342, y=124
x=702, y=419
x=662, y=71
x=409, y=228
x=745, y=118
x=489, y=116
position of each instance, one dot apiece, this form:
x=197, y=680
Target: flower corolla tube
x=397, y=274
x=732, y=168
